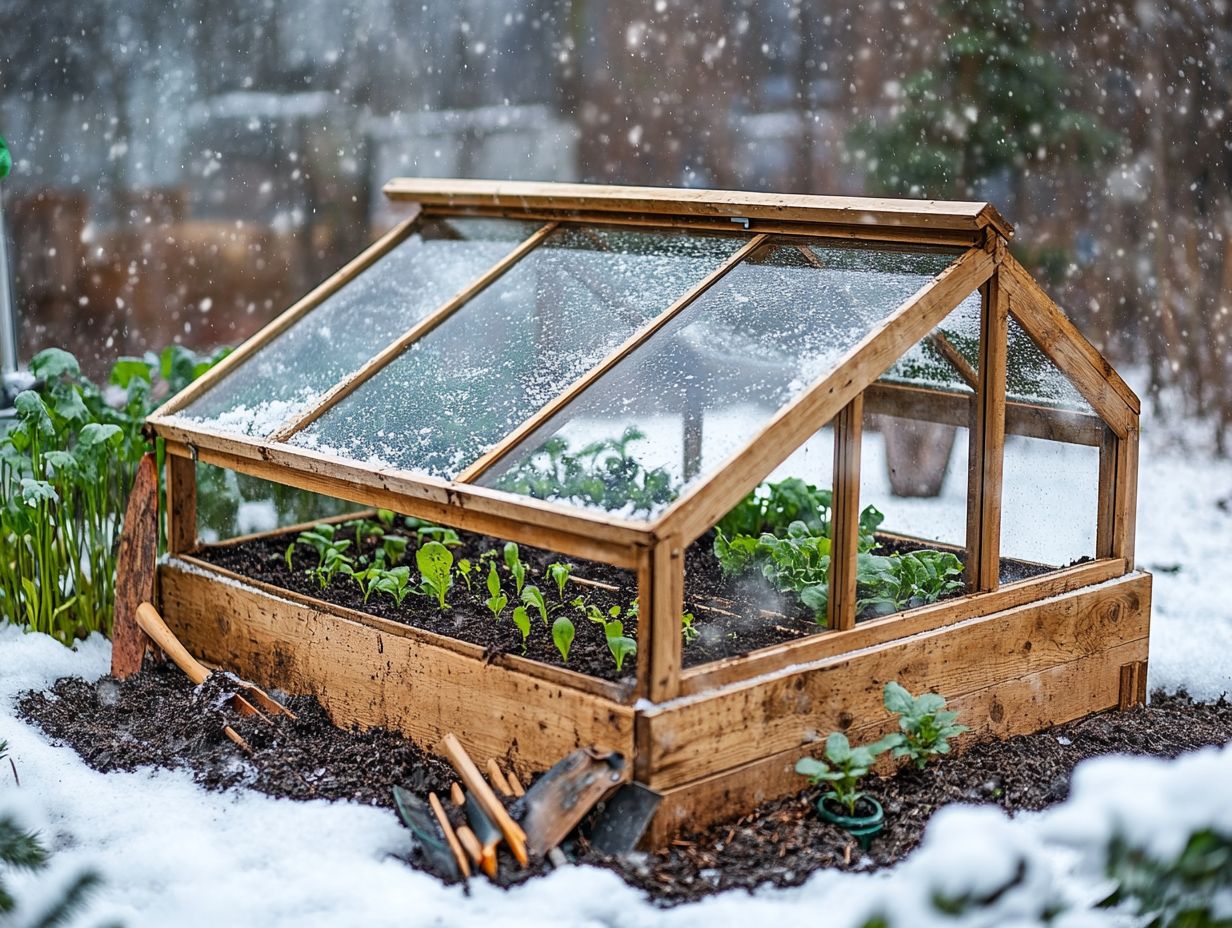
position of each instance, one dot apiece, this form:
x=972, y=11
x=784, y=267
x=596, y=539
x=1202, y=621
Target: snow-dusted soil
x=174, y=854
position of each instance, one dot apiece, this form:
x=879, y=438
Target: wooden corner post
x=845, y=516
x=660, y=585
x=1118, y=495
x=181, y=504
x=986, y=458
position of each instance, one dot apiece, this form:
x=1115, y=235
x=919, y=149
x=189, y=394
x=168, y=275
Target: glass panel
x=938, y=361
x=744, y=589
x=514, y=347
x=709, y=381
x=231, y=504
x=1049, y=505
x=1032, y=378
x=289, y=375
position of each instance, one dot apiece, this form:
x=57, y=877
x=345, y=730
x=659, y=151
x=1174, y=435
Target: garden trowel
x=623, y=818
x=560, y=799
x=430, y=838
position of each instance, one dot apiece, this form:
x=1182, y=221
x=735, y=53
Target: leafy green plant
x=521, y=618
x=516, y=567
x=772, y=507
x=562, y=636
x=925, y=727
x=1181, y=892
x=330, y=550
x=842, y=770
x=618, y=643
x=532, y=596
x=435, y=563
x=914, y=578
x=559, y=573
x=432, y=532
x=688, y=631
x=497, y=600
x=464, y=571
x=395, y=583
x=603, y=473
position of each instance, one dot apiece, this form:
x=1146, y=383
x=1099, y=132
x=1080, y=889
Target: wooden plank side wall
x=367, y=678
x=695, y=737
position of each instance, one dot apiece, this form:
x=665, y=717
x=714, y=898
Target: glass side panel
x=1032, y=378
x=230, y=504
x=709, y=381
x=1049, y=505
x=952, y=347
x=289, y=375
x=515, y=346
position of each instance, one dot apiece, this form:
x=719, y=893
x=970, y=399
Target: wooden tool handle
x=515, y=837
x=452, y=839
x=153, y=625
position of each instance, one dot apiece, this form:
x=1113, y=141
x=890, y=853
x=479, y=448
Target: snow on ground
x=171, y=853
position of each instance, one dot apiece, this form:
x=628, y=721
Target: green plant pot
x=862, y=827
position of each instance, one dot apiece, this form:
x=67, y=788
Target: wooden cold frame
x=649, y=718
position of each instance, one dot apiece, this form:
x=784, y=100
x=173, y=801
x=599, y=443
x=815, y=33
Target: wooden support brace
x=660, y=604
x=1118, y=495
x=181, y=504
x=1133, y=685
x=987, y=434
x=845, y=520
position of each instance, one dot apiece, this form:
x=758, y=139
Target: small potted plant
x=844, y=804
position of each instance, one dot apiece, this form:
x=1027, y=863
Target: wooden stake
x=437, y=810
x=498, y=778
x=495, y=810
x=136, y=570
x=516, y=785
x=456, y=795
x=467, y=839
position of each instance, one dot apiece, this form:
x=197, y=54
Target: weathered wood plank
x=1058, y=694
x=136, y=570
x=367, y=677
x=693, y=737
x=528, y=195
x=845, y=519
x=181, y=504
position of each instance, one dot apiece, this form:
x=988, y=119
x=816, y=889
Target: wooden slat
x=560, y=676
x=352, y=382
x=697, y=736
x=861, y=236
x=667, y=605
x=370, y=677
x=181, y=504
x=701, y=508
x=575, y=389
x=1118, y=495
x=845, y=518
x=136, y=570
x=1064, y=345
x=527, y=195
x=956, y=359
x=924, y=404
x=876, y=632
x=987, y=439
x=305, y=305
x=594, y=535
x=1059, y=694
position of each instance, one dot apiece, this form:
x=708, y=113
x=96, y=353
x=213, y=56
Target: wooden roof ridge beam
x=374, y=365
x=960, y=215
x=860, y=367
x=294, y=313
x=1061, y=341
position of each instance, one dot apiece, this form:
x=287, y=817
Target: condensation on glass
x=1032, y=378
x=290, y=374
x=705, y=384
x=515, y=346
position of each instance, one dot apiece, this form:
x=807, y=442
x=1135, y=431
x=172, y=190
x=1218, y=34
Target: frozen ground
x=172, y=854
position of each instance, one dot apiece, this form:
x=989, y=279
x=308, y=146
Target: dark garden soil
x=732, y=616
x=157, y=718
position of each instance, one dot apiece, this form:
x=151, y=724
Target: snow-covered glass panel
x=948, y=357
x=289, y=375
x=515, y=346
x=1032, y=378
x=705, y=384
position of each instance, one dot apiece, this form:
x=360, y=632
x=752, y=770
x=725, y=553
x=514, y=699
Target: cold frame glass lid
x=948, y=357
x=290, y=374
x=515, y=346
x=707, y=383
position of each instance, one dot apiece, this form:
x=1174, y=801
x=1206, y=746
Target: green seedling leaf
x=53, y=363
x=687, y=630
x=435, y=563
x=621, y=647
x=533, y=597
x=559, y=574
x=464, y=568
x=522, y=620
x=562, y=636
x=515, y=566
x=497, y=600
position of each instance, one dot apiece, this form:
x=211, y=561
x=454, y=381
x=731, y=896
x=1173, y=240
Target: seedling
x=687, y=630
x=433, y=532
x=394, y=548
x=395, y=583
x=497, y=600
x=516, y=567
x=334, y=562
x=843, y=769
x=532, y=596
x=925, y=728
x=618, y=643
x=521, y=618
x=464, y=569
x=435, y=563
x=559, y=574
x=562, y=636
